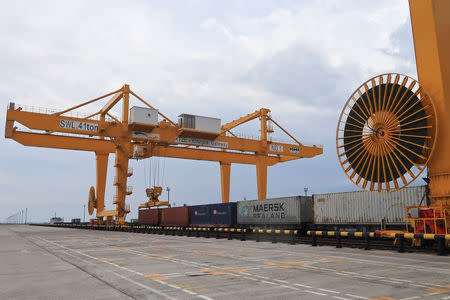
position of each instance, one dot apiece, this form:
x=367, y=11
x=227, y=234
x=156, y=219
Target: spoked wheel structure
x=386, y=133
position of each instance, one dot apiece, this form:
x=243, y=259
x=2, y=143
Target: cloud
x=301, y=59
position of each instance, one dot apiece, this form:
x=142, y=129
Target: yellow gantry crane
x=139, y=134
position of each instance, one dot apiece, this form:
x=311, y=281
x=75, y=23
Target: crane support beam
x=261, y=176
x=170, y=135
x=225, y=173
x=431, y=30
x=240, y=121
x=101, y=169
x=106, y=146
x=64, y=124
x=209, y=155
x=63, y=142
x=113, y=101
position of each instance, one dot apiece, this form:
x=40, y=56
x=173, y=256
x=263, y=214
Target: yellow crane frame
x=103, y=134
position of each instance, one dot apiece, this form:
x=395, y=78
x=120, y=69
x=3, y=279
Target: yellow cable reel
x=386, y=133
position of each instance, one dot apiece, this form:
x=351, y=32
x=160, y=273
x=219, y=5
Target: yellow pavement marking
x=151, y=275
x=147, y=256
x=240, y=270
x=219, y=273
x=206, y=270
x=383, y=298
x=325, y=258
x=227, y=268
x=104, y=259
x=271, y=264
x=285, y=266
x=160, y=278
x=339, y=260
x=437, y=290
x=189, y=287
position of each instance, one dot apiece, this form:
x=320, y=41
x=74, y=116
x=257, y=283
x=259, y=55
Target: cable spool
x=386, y=133
x=92, y=203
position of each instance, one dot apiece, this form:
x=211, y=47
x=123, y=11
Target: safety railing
x=49, y=111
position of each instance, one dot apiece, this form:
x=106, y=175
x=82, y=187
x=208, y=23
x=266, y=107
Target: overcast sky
x=224, y=59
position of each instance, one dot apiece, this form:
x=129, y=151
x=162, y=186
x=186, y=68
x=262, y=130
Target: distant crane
x=139, y=134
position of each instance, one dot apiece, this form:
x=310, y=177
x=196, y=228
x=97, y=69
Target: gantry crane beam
x=105, y=136
x=167, y=135
x=107, y=147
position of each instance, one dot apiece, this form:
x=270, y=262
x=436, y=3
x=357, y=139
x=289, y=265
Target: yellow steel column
x=126, y=104
x=102, y=168
x=430, y=21
x=261, y=159
x=261, y=176
x=263, y=117
x=225, y=173
x=122, y=158
x=121, y=180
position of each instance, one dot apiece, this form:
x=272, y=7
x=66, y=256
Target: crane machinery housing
x=139, y=134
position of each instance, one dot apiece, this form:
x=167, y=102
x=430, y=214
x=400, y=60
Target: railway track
x=368, y=242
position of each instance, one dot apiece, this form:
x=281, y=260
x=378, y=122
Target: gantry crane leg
x=102, y=168
x=225, y=173
x=121, y=166
x=261, y=176
x=431, y=27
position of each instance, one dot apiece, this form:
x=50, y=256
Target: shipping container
x=285, y=210
x=149, y=216
x=221, y=214
x=361, y=207
x=200, y=214
x=143, y=115
x=177, y=216
x=207, y=124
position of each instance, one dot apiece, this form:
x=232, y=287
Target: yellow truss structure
x=104, y=134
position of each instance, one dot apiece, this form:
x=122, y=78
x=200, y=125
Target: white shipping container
x=143, y=115
x=285, y=210
x=362, y=207
x=199, y=123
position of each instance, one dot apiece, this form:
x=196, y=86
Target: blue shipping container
x=200, y=215
x=221, y=214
